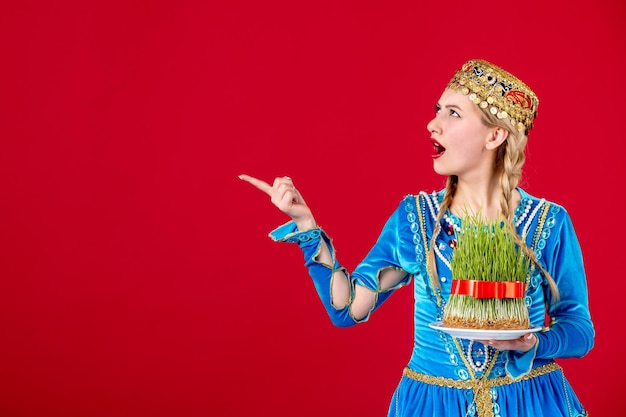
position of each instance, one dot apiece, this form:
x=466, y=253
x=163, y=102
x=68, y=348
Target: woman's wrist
x=305, y=224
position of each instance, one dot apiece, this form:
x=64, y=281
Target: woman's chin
x=439, y=169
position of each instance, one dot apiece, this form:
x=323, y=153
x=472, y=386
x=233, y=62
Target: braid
x=445, y=203
x=509, y=161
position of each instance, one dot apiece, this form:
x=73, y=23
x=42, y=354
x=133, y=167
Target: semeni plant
x=489, y=274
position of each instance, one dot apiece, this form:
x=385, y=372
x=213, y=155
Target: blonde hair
x=510, y=158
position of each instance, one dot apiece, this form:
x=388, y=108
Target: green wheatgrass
x=486, y=251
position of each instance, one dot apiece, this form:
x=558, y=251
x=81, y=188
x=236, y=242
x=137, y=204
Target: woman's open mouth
x=438, y=150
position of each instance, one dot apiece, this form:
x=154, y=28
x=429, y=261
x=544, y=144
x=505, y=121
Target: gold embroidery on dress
x=493, y=382
x=481, y=387
x=420, y=216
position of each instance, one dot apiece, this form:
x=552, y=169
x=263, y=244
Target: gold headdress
x=506, y=95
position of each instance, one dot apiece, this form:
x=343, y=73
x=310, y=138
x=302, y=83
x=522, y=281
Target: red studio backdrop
x=137, y=275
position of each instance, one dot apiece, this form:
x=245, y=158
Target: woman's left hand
x=522, y=344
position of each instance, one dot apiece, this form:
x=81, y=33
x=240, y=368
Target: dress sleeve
x=571, y=332
x=382, y=256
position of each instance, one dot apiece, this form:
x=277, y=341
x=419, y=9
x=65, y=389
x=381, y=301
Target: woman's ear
x=497, y=137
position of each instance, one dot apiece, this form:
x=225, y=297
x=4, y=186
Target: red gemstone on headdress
x=519, y=97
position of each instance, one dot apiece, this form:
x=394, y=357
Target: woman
x=479, y=134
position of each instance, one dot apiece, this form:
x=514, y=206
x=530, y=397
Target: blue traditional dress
x=449, y=376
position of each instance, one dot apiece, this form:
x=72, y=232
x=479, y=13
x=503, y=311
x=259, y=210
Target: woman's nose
x=432, y=126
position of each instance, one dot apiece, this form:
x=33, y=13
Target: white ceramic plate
x=479, y=334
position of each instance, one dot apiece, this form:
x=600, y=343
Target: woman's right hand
x=287, y=198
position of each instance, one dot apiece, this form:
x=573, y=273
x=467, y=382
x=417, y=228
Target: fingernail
x=240, y=177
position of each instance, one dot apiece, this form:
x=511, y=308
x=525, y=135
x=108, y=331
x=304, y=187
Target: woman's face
x=460, y=137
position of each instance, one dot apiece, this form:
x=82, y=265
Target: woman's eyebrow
x=450, y=106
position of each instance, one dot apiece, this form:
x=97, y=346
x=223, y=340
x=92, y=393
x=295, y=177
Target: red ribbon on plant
x=488, y=289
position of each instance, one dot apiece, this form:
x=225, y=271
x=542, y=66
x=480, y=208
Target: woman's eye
x=453, y=113
x=437, y=109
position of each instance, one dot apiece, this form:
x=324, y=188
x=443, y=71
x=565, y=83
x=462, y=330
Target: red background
x=137, y=277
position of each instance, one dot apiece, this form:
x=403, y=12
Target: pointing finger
x=260, y=184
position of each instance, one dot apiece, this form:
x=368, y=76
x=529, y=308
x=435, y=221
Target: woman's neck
x=480, y=198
